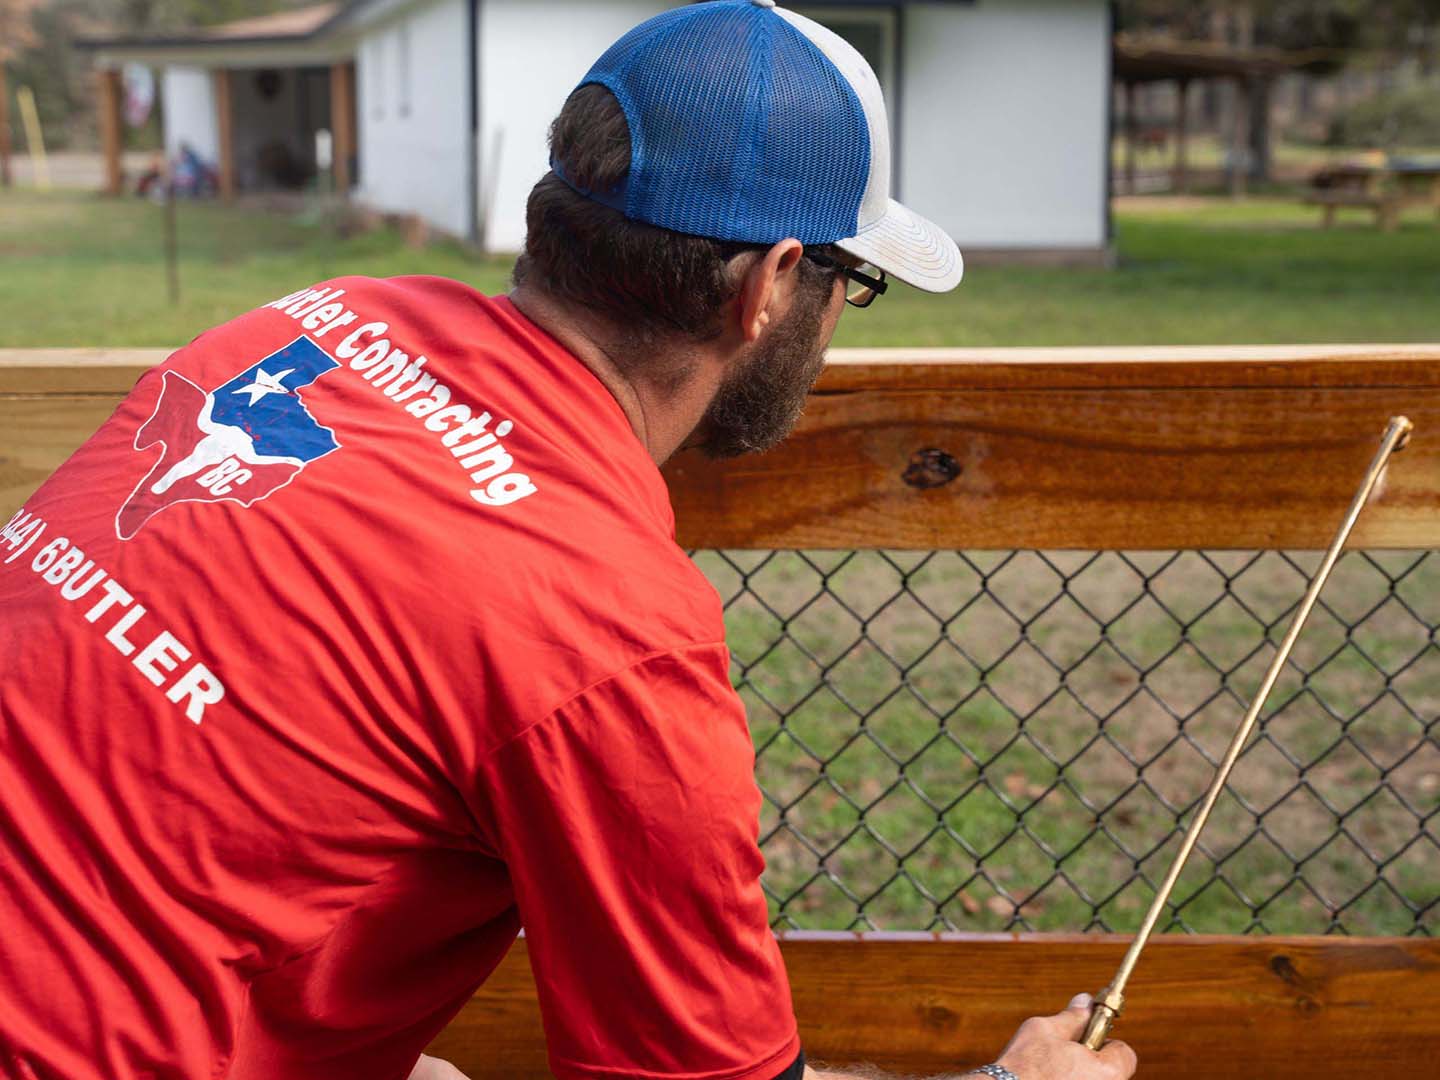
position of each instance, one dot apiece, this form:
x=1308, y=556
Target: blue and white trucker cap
x=751, y=123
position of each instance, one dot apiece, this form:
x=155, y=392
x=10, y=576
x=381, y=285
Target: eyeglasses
x=866, y=281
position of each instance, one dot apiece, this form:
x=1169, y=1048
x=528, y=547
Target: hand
x=430, y=1068
x=1049, y=1048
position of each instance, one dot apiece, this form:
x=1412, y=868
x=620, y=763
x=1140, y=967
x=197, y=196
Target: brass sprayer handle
x=1109, y=1001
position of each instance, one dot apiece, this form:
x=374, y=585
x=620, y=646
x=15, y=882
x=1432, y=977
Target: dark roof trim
x=1138, y=59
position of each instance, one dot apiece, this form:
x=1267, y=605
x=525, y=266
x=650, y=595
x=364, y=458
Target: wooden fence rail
x=1012, y=448
x=1200, y=1008
x=1133, y=448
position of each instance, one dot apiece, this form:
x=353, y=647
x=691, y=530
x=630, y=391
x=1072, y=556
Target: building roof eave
x=236, y=54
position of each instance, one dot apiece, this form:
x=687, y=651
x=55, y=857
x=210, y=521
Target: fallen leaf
x=998, y=905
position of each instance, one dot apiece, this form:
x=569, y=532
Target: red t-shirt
x=354, y=640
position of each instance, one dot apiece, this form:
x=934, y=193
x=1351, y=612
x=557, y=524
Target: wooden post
x=224, y=114
x=111, y=132
x=4, y=130
x=1260, y=90
x=342, y=121
x=1131, y=126
x=1181, y=181
x=1239, y=142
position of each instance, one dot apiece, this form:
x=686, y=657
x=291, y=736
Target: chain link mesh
x=1014, y=740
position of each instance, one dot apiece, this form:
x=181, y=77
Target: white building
x=999, y=108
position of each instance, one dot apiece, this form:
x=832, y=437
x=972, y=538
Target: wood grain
x=38, y=435
x=1133, y=448
x=1262, y=1008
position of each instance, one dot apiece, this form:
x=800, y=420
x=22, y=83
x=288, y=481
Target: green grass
x=79, y=270
x=76, y=269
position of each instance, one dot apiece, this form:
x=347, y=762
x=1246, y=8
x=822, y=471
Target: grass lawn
x=988, y=740
x=79, y=270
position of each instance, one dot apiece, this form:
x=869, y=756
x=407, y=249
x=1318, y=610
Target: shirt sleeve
x=628, y=819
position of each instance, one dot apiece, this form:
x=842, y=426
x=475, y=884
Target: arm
x=627, y=820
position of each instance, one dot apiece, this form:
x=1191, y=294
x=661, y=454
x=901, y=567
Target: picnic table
x=1385, y=189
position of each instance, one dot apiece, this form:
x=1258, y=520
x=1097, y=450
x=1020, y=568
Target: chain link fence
x=1014, y=740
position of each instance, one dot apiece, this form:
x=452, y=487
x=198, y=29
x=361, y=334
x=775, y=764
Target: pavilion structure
x=1139, y=60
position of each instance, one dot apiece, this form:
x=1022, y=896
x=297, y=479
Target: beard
x=760, y=402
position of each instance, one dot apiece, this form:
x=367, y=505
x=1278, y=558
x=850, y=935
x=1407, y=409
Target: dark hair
x=647, y=282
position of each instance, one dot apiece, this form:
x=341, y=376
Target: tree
x=17, y=28
x=17, y=31
x=1332, y=32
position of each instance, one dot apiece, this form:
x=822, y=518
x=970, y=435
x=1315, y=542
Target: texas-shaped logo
x=237, y=443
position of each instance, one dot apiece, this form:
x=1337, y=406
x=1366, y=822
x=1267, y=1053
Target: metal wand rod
x=1112, y=999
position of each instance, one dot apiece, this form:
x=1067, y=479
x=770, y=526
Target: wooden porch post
x=111, y=132
x=342, y=120
x=1239, y=140
x=226, y=128
x=1181, y=181
x=1131, y=128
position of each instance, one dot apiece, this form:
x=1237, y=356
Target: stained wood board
x=1258, y=1008
x=1133, y=448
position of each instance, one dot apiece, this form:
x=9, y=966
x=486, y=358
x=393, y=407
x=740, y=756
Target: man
x=357, y=638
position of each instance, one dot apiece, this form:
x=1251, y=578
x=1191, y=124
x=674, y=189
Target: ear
x=768, y=279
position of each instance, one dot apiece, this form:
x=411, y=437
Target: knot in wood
x=937, y=1017
x=930, y=468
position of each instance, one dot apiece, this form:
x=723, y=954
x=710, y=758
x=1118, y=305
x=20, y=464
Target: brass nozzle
x=1107, y=1007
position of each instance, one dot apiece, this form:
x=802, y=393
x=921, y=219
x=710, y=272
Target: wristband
x=999, y=1072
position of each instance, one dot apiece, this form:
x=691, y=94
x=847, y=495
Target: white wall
x=533, y=52
x=1003, y=121
x=413, y=115
x=188, y=97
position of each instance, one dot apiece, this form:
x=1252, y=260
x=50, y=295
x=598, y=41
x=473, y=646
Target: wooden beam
x=1158, y=449
x=108, y=102
x=225, y=126
x=1124, y=448
x=342, y=121
x=1200, y=1008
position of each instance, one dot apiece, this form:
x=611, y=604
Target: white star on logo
x=265, y=383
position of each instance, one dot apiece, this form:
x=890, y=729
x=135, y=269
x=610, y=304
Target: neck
x=662, y=417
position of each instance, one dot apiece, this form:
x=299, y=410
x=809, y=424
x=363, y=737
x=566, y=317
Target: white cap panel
x=852, y=66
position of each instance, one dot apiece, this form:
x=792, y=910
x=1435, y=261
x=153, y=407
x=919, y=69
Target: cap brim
x=908, y=247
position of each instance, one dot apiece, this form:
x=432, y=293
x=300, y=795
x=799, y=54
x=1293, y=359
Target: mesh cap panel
x=740, y=128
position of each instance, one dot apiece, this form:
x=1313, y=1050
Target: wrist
x=993, y=1071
